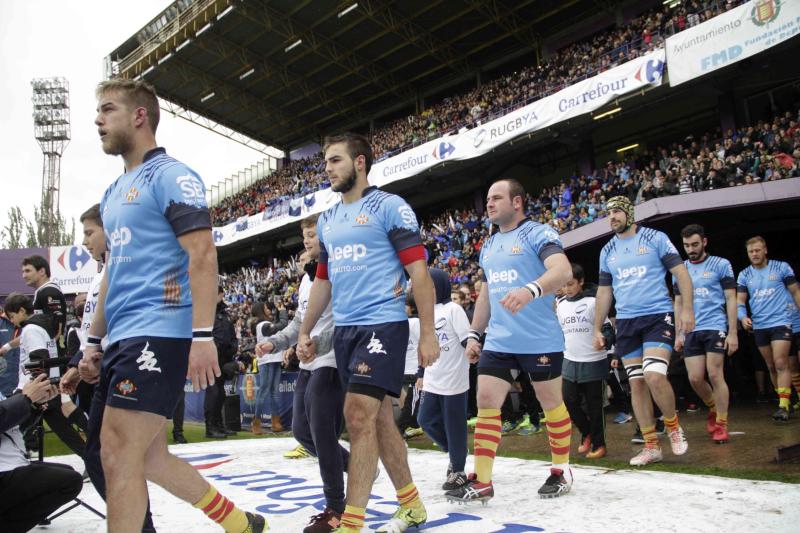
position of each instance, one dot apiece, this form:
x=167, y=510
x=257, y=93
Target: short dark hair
x=577, y=272
x=693, y=229
x=92, y=214
x=356, y=145
x=16, y=301
x=37, y=262
x=515, y=189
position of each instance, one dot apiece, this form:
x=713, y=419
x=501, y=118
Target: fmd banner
x=730, y=37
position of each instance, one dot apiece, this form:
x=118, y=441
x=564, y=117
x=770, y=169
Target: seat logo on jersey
x=348, y=251
x=635, y=271
x=375, y=345
x=119, y=237
x=148, y=360
x=408, y=216
x=509, y=275
x=191, y=188
x=362, y=219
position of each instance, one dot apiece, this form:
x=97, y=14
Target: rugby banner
x=732, y=36
x=584, y=97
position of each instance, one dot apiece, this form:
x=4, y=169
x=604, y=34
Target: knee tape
x=654, y=364
x=634, y=372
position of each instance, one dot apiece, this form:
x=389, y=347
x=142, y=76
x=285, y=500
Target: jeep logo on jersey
x=701, y=292
x=763, y=293
x=191, y=188
x=119, y=237
x=348, y=251
x=502, y=275
x=636, y=271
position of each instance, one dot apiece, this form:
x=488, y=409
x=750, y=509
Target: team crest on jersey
x=362, y=219
x=643, y=250
x=706, y=274
x=516, y=249
x=363, y=369
x=126, y=387
x=132, y=195
x=773, y=277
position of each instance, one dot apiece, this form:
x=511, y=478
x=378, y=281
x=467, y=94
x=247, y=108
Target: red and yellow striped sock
x=559, y=429
x=710, y=404
x=352, y=519
x=486, y=441
x=796, y=383
x=671, y=423
x=650, y=437
x=408, y=496
x=222, y=511
x=722, y=420
x=783, y=396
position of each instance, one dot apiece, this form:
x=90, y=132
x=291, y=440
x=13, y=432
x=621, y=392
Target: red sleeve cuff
x=322, y=270
x=409, y=255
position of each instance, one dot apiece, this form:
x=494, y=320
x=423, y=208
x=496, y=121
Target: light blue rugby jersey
x=144, y=211
x=509, y=261
x=359, y=243
x=635, y=267
x=771, y=303
x=710, y=278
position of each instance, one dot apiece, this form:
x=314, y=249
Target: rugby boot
x=557, y=484
x=781, y=415
x=586, y=445
x=711, y=423
x=299, y=452
x=474, y=491
x=677, y=441
x=404, y=518
x=597, y=453
x=648, y=454
x=455, y=480
x=255, y=523
x=325, y=522
x=720, y=435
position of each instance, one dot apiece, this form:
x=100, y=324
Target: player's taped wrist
x=535, y=289
x=203, y=334
x=474, y=335
x=93, y=341
x=741, y=311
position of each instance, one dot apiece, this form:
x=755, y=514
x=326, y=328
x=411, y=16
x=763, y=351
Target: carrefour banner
x=730, y=37
x=72, y=268
x=583, y=97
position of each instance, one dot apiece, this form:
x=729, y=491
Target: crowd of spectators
x=602, y=51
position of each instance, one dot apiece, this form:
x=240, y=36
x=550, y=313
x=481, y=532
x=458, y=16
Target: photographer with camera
x=29, y=492
x=38, y=354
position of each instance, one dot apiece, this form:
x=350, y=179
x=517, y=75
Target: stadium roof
x=285, y=72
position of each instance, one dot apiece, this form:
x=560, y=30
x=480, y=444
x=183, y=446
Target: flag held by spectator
x=295, y=206
x=241, y=223
x=309, y=200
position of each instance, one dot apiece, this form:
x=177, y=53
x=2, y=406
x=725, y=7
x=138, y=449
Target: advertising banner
x=730, y=37
x=72, y=268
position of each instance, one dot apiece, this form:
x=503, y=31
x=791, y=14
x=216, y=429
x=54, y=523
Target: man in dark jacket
x=227, y=346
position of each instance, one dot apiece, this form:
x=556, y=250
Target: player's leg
x=655, y=365
x=780, y=357
x=559, y=429
x=696, y=368
x=765, y=348
x=715, y=364
x=794, y=366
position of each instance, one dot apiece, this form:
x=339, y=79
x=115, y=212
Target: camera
x=42, y=366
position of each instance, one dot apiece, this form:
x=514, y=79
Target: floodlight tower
x=51, y=128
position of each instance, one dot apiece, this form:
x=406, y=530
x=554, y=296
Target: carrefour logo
x=74, y=258
x=218, y=236
x=651, y=71
x=443, y=150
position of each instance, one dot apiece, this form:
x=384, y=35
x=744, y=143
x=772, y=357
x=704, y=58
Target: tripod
x=38, y=427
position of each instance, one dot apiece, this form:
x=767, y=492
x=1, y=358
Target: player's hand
x=203, y=365
x=39, y=389
x=598, y=340
x=306, y=349
x=731, y=343
x=687, y=321
x=679, y=340
x=747, y=323
x=515, y=300
x=69, y=381
x=264, y=348
x=428, y=350
x=89, y=366
x=418, y=384
x=473, y=351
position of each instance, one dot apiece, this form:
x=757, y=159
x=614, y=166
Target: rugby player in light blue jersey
x=156, y=305
x=771, y=289
x=633, y=268
x=368, y=242
x=714, y=332
x=524, y=264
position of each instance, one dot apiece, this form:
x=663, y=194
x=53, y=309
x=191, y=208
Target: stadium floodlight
x=246, y=74
x=607, y=113
x=51, y=127
x=148, y=70
x=294, y=45
x=208, y=97
x=346, y=11
x=626, y=148
x=202, y=30
x=227, y=10
x=160, y=61
x=183, y=45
